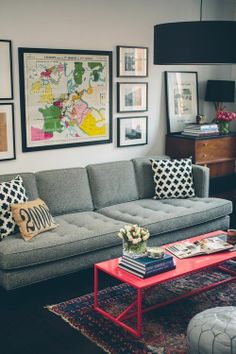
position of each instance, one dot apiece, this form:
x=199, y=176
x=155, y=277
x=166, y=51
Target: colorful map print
x=67, y=98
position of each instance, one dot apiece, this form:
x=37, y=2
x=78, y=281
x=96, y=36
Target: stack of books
x=145, y=267
x=201, y=129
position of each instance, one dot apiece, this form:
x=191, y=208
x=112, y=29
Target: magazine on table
x=205, y=246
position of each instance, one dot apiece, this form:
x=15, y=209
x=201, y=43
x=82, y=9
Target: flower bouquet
x=134, y=240
x=222, y=119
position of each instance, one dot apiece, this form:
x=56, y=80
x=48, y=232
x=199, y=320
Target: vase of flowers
x=134, y=240
x=223, y=119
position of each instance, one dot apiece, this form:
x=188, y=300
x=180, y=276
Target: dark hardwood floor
x=26, y=327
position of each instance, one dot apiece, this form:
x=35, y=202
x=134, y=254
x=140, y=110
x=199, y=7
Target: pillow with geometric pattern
x=173, y=178
x=11, y=192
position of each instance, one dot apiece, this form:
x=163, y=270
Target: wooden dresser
x=218, y=152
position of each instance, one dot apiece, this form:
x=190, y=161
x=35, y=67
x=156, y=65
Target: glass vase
x=223, y=127
x=134, y=251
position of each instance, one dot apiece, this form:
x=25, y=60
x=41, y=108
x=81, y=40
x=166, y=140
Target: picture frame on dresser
x=132, y=61
x=66, y=98
x=7, y=132
x=6, y=83
x=132, y=97
x=181, y=99
x=132, y=131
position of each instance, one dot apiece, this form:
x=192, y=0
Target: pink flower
x=223, y=116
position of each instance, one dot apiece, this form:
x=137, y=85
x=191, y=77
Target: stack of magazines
x=186, y=249
x=201, y=129
x=145, y=267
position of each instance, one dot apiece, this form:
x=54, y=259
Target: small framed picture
x=132, y=61
x=132, y=97
x=6, y=86
x=132, y=131
x=7, y=141
x=181, y=99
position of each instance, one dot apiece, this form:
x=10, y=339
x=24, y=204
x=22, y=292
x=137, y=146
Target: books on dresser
x=201, y=129
x=145, y=267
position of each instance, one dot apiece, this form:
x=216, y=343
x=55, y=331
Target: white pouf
x=213, y=332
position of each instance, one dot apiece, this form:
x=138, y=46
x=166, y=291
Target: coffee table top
x=183, y=266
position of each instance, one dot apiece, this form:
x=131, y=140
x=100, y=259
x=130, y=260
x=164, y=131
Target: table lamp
x=220, y=91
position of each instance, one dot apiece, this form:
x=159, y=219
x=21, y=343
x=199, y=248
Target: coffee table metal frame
x=183, y=267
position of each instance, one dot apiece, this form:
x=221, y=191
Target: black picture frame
x=76, y=124
x=132, y=61
x=132, y=97
x=6, y=75
x=7, y=132
x=182, y=106
x=132, y=131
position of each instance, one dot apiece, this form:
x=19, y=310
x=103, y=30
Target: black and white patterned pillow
x=173, y=178
x=11, y=192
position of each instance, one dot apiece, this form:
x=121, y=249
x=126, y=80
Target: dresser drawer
x=215, y=149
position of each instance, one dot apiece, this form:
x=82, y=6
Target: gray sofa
x=90, y=205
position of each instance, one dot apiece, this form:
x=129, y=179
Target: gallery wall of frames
x=7, y=133
x=66, y=98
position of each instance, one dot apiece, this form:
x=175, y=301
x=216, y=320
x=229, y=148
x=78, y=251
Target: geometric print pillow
x=173, y=178
x=11, y=192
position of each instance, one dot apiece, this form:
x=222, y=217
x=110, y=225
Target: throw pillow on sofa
x=10, y=192
x=32, y=218
x=173, y=178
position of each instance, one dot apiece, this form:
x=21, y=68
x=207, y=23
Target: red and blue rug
x=164, y=330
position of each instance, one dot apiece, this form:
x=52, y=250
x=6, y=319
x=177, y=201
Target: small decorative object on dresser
x=223, y=119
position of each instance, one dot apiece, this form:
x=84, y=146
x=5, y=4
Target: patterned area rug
x=164, y=330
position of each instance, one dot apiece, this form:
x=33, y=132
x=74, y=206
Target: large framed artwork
x=132, y=61
x=6, y=85
x=132, y=131
x=7, y=139
x=181, y=99
x=132, y=97
x=66, y=98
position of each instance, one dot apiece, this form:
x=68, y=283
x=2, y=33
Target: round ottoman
x=213, y=331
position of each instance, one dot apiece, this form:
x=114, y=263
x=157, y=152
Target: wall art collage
x=66, y=98
x=132, y=62
x=7, y=134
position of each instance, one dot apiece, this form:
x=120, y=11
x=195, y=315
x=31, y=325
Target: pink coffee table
x=183, y=268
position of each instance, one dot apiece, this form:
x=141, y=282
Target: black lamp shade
x=220, y=91
x=199, y=42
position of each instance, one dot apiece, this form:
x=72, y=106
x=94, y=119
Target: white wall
x=102, y=25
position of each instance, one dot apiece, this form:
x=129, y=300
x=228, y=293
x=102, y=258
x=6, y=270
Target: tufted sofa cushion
x=78, y=233
x=161, y=216
x=65, y=190
x=112, y=183
x=144, y=175
x=29, y=182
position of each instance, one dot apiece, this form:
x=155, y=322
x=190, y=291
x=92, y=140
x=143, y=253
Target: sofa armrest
x=201, y=179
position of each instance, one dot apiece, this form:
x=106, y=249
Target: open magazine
x=209, y=245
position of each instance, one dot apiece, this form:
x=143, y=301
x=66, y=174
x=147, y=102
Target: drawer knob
x=204, y=155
